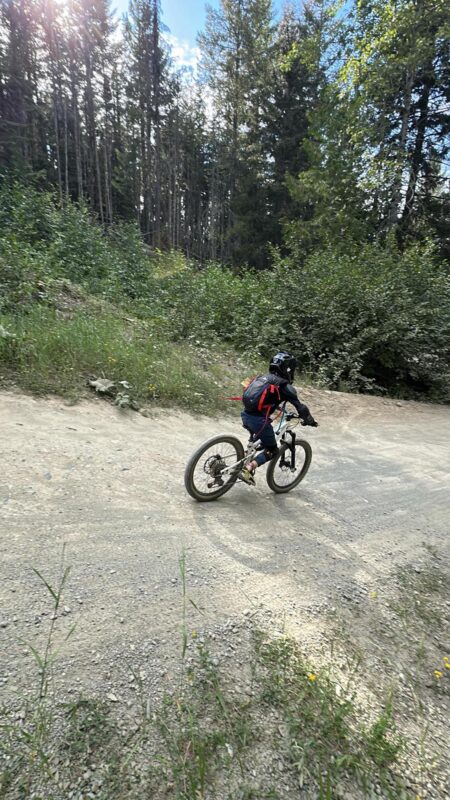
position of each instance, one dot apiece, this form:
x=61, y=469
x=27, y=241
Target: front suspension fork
x=291, y=445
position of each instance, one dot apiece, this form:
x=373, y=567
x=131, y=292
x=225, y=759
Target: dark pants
x=261, y=428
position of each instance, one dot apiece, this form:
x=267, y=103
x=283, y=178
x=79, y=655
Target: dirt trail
x=109, y=485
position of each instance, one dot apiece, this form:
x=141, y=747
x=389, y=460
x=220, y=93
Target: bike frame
x=280, y=430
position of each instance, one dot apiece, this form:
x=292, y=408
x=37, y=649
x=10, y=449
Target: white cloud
x=188, y=57
x=183, y=54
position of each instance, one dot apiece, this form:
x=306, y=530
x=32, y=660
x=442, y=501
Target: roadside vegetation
x=283, y=725
x=361, y=719
x=204, y=740
x=78, y=303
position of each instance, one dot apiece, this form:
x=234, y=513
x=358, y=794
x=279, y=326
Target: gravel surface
x=331, y=562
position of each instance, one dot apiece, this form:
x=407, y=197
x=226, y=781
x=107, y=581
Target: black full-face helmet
x=283, y=364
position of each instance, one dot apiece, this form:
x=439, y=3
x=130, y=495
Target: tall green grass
x=46, y=352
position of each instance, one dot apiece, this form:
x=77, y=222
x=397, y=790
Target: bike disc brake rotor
x=213, y=466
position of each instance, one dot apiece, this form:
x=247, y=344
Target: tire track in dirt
x=108, y=484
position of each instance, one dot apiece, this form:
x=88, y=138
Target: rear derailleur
x=213, y=467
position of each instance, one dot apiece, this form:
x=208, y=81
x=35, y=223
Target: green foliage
x=330, y=204
x=366, y=317
x=40, y=242
x=396, y=80
x=372, y=319
x=25, y=231
x=381, y=746
x=326, y=740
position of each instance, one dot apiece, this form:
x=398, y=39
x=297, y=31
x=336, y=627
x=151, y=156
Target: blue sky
x=184, y=18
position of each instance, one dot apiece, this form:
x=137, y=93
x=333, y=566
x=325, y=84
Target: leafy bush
x=376, y=318
x=372, y=319
x=27, y=215
x=203, y=303
x=40, y=242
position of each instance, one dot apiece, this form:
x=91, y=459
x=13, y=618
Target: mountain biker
x=261, y=398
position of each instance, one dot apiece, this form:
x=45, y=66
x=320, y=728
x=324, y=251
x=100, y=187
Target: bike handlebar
x=302, y=421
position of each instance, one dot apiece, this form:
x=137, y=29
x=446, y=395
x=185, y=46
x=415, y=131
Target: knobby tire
x=271, y=474
x=230, y=480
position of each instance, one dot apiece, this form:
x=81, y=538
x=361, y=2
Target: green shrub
x=27, y=215
x=372, y=319
x=40, y=242
x=376, y=318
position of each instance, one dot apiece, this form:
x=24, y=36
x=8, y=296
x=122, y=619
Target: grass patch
x=204, y=740
x=47, y=352
x=419, y=590
x=328, y=744
x=204, y=731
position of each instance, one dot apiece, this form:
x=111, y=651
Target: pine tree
x=291, y=104
x=148, y=95
x=399, y=75
x=236, y=48
x=328, y=202
x=20, y=74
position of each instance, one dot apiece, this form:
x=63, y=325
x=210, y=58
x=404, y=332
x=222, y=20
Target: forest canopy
x=302, y=169
x=326, y=123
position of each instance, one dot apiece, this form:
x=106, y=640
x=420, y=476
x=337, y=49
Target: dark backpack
x=262, y=394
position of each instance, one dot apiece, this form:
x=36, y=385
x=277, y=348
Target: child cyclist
x=261, y=398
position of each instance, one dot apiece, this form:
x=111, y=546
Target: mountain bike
x=215, y=466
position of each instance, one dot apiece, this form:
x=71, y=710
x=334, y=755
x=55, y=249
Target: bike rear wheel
x=281, y=476
x=202, y=476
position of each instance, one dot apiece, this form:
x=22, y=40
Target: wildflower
x=311, y=677
x=373, y=595
x=194, y=634
x=437, y=674
x=446, y=662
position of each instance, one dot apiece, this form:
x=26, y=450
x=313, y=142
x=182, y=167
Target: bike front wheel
x=281, y=475
x=203, y=477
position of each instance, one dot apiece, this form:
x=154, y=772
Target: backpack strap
x=261, y=405
x=273, y=388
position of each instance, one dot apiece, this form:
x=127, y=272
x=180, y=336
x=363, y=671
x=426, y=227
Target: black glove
x=309, y=420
